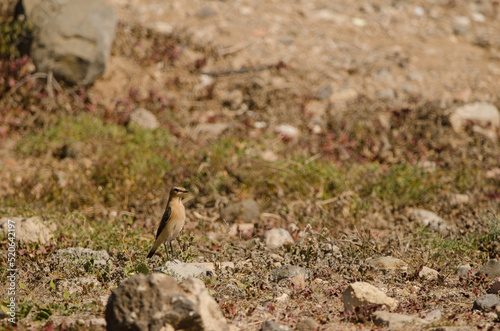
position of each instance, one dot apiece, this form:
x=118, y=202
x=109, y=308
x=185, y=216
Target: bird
x=172, y=221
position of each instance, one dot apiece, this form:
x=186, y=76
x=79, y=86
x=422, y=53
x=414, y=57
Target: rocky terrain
x=342, y=159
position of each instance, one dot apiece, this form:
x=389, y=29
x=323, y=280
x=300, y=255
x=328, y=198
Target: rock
x=288, y=271
x=429, y=219
x=361, y=294
x=495, y=287
x=242, y=230
x=345, y=95
x=387, y=262
x=287, y=132
x=273, y=326
x=298, y=282
x=395, y=321
x=428, y=273
x=144, y=119
x=307, y=324
x=490, y=269
x=497, y=311
x=386, y=94
x=80, y=254
x=479, y=113
x=180, y=270
x=210, y=130
x=212, y=266
x=275, y=238
x=246, y=211
x=458, y=199
x=26, y=230
x=72, y=38
x=464, y=270
x=486, y=302
x=154, y=301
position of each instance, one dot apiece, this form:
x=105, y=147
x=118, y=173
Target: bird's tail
x=153, y=249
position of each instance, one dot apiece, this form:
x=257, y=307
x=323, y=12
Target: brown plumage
x=172, y=221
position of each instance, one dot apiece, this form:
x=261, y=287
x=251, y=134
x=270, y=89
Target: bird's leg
x=172, y=249
x=166, y=250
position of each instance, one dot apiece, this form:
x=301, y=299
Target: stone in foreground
x=157, y=302
x=395, y=321
x=360, y=294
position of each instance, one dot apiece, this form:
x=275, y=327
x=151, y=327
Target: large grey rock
x=360, y=294
x=246, y=211
x=490, y=269
x=486, y=302
x=72, y=38
x=26, y=230
x=156, y=301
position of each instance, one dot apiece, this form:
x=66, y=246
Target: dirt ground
x=357, y=84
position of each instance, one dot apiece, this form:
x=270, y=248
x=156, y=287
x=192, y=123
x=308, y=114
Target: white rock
x=387, y=262
x=145, y=119
x=428, y=273
x=276, y=238
x=395, y=321
x=429, y=219
x=287, y=131
x=243, y=230
x=360, y=294
x=26, y=229
x=480, y=113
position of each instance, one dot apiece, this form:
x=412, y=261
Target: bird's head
x=177, y=191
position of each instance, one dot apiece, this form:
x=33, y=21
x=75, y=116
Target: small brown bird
x=172, y=221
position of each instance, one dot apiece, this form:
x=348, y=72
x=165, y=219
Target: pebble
x=479, y=113
x=28, y=230
x=307, y=324
x=145, y=119
x=395, y=321
x=429, y=219
x=490, y=269
x=287, y=131
x=180, y=270
x=495, y=287
x=464, y=270
x=274, y=326
x=360, y=294
x=486, y=302
x=276, y=238
x=288, y=271
x=243, y=230
x=298, y=282
x=386, y=262
x=428, y=273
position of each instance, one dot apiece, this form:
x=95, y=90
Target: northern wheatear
x=172, y=221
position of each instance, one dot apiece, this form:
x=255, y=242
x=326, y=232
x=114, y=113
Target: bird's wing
x=164, y=220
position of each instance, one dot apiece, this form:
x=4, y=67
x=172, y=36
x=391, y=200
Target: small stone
x=428, y=273
x=144, y=119
x=287, y=131
x=344, y=95
x=479, y=113
x=288, y=271
x=275, y=238
x=495, y=287
x=395, y=321
x=242, y=230
x=486, y=302
x=419, y=11
x=490, y=269
x=387, y=262
x=361, y=294
x=80, y=254
x=246, y=211
x=26, y=230
x=387, y=94
x=274, y=326
x=324, y=92
x=429, y=219
x=180, y=270
x=458, y=199
x=307, y=324
x=298, y=282
x=283, y=298
x=464, y=270
x=210, y=130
